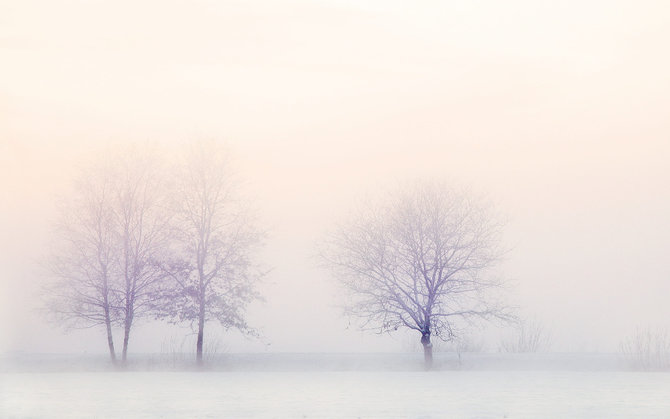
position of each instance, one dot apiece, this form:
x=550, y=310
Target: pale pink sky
x=558, y=110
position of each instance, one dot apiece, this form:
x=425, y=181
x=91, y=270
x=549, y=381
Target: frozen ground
x=318, y=393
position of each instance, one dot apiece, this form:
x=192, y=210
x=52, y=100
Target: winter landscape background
x=556, y=111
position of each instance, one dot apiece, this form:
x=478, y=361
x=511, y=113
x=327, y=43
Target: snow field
x=345, y=394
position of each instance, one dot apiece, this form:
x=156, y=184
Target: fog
x=558, y=111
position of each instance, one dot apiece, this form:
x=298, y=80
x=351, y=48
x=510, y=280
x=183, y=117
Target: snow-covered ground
x=315, y=393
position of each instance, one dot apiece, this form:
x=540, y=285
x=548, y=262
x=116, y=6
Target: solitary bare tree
x=212, y=268
x=421, y=260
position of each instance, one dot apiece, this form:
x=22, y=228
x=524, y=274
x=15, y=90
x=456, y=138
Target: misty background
x=558, y=111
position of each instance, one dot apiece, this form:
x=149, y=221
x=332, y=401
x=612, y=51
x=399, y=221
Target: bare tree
x=83, y=258
x=212, y=268
x=111, y=235
x=420, y=259
x=142, y=221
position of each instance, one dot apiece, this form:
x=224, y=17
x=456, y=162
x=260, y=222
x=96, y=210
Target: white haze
x=558, y=110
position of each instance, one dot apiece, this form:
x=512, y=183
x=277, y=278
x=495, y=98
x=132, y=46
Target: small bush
x=647, y=349
x=531, y=336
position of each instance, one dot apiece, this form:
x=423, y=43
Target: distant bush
x=530, y=336
x=464, y=344
x=647, y=349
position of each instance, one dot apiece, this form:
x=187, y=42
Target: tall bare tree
x=84, y=257
x=142, y=220
x=421, y=260
x=111, y=236
x=213, y=271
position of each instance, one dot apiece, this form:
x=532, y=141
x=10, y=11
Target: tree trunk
x=427, y=350
x=201, y=330
x=110, y=337
x=108, y=320
x=126, y=334
x=126, y=338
